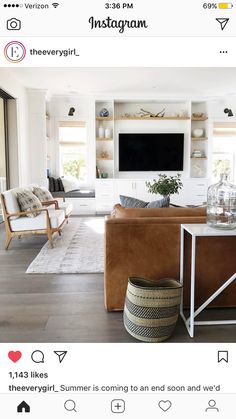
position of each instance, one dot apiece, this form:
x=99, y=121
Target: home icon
x=23, y=407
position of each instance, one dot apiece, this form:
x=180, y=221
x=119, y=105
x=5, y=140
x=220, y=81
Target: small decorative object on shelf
x=198, y=115
x=221, y=204
x=104, y=175
x=200, y=154
x=104, y=154
x=183, y=113
x=127, y=115
x=165, y=185
x=107, y=133
x=148, y=114
x=98, y=173
x=104, y=113
x=101, y=132
x=198, y=132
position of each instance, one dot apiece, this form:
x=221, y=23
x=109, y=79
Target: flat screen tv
x=151, y=152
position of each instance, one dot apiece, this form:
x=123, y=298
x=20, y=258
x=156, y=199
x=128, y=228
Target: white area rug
x=80, y=249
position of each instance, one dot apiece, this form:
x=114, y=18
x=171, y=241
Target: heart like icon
x=14, y=356
x=165, y=405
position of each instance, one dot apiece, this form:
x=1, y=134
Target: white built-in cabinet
x=194, y=192
x=124, y=117
x=136, y=188
x=104, y=194
x=81, y=206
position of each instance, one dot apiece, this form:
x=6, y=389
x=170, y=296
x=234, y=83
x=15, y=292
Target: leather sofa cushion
x=121, y=212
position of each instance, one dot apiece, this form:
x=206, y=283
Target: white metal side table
x=200, y=230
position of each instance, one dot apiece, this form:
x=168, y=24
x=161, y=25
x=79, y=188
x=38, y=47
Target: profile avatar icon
x=212, y=406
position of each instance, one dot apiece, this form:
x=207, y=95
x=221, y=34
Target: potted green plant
x=165, y=185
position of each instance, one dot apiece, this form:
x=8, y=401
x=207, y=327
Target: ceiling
x=172, y=82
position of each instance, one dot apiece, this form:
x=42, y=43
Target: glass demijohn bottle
x=221, y=204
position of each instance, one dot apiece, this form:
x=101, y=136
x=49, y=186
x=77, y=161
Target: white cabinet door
x=134, y=188
x=82, y=205
x=194, y=192
x=104, y=193
x=142, y=192
x=124, y=187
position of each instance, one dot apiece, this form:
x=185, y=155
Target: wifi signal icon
x=55, y=5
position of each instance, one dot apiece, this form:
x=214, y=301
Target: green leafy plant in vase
x=165, y=185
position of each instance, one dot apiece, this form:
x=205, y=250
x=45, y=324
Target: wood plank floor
x=69, y=308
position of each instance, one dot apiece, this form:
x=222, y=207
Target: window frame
x=229, y=133
x=76, y=123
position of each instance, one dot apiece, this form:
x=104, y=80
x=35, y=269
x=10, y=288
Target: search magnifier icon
x=70, y=405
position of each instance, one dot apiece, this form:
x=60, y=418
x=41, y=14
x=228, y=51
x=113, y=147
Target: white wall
x=216, y=109
x=37, y=136
x=11, y=86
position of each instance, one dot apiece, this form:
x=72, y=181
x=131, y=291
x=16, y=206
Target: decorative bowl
x=198, y=115
x=198, y=132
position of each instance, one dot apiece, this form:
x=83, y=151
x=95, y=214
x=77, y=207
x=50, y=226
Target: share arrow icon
x=61, y=355
x=223, y=22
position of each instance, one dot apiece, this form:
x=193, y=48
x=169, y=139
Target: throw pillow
x=27, y=202
x=70, y=183
x=51, y=184
x=42, y=193
x=130, y=202
x=60, y=184
x=164, y=202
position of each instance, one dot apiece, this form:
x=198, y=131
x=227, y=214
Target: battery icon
x=225, y=5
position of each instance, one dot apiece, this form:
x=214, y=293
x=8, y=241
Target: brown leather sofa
x=146, y=242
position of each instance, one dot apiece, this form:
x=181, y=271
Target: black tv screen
x=151, y=152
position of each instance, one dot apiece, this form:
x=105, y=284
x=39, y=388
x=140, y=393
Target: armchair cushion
x=27, y=202
x=42, y=193
x=40, y=222
x=67, y=207
x=10, y=198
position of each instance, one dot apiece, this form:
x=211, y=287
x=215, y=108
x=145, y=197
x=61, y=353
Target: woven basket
x=152, y=308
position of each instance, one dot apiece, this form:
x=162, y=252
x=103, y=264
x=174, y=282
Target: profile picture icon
x=15, y=51
x=13, y=24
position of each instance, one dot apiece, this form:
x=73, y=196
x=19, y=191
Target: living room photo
x=118, y=205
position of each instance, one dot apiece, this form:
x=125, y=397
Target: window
x=73, y=149
x=224, y=150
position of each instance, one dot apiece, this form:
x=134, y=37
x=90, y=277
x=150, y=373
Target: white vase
x=101, y=132
x=107, y=133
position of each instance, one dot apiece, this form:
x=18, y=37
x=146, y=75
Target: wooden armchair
x=48, y=221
